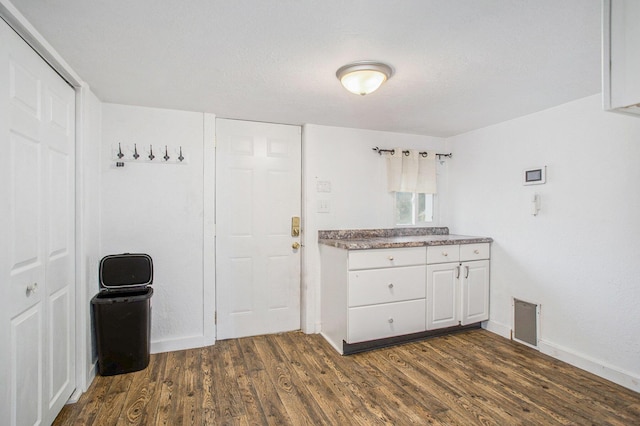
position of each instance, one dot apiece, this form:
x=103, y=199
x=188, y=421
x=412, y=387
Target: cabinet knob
x=390, y=285
x=390, y=257
x=476, y=251
x=390, y=320
x=444, y=253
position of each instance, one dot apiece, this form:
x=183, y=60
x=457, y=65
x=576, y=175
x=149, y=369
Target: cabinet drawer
x=373, y=286
x=385, y=258
x=386, y=320
x=443, y=254
x=474, y=251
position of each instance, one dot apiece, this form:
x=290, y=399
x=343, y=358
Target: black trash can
x=122, y=313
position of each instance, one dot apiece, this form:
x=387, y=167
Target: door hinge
x=215, y=317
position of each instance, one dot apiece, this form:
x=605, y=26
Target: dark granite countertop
x=354, y=239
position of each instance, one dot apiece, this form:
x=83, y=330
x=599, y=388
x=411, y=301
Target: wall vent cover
x=525, y=322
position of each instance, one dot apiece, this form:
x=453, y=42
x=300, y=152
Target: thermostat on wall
x=535, y=176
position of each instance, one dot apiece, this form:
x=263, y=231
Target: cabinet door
x=442, y=295
x=475, y=291
x=621, y=63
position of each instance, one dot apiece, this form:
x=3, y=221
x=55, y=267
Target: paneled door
x=258, y=192
x=37, y=320
x=443, y=295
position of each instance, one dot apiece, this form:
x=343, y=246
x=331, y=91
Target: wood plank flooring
x=474, y=377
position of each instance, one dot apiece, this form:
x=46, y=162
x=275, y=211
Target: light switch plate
x=323, y=206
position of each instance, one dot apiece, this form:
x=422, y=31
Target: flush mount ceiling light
x=363, y=77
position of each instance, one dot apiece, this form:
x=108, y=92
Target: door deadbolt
x=295, y=226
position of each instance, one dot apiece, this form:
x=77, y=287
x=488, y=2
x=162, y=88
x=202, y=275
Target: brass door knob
x=295, y=245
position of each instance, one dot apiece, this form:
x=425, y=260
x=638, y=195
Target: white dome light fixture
x=363, y=77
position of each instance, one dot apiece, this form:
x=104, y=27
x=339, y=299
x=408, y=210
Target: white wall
x=578, y=258
x=159, y=209
x=358, y=197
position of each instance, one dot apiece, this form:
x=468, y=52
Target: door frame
x=84, y=371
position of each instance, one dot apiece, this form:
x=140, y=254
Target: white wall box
x=620, y=59
x=457, y=285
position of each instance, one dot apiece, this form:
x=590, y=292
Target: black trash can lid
x=127, y=270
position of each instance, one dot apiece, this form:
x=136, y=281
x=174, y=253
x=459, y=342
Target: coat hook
x=135, y=152
x=180, y=157
x=166, y=154
x=120, y=154
x=151, y=156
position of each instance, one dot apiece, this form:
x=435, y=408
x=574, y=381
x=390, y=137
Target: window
x=413, y=208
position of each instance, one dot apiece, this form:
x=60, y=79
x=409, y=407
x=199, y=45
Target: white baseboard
x=75, y=396
x=586, y=363
x=332, y=343
x=498, y=328
x=91, y=374
x=191, y=342
x=580, y=361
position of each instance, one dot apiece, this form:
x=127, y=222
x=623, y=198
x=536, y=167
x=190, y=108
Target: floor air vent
x=525, y=322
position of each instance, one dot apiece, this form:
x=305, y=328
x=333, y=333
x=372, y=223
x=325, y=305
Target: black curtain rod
x=422, y=153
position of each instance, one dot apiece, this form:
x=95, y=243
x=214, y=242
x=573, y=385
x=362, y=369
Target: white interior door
x=37, y=329
x=258, y=191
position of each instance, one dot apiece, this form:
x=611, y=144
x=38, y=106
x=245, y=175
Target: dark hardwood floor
x=474, y=377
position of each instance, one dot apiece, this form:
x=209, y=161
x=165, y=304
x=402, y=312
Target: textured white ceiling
x=459, y=64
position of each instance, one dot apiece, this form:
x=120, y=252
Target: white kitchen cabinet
x=378, y=296
x=620, y=59
x=458, y=290
x=372, y=294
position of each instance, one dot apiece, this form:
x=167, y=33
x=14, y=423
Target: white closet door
x=37, y=310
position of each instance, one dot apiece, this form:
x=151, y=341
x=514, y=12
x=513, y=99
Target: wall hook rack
x=146, y=153
x=423, y=154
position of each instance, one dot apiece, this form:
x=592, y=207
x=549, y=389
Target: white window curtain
x=410, y=171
